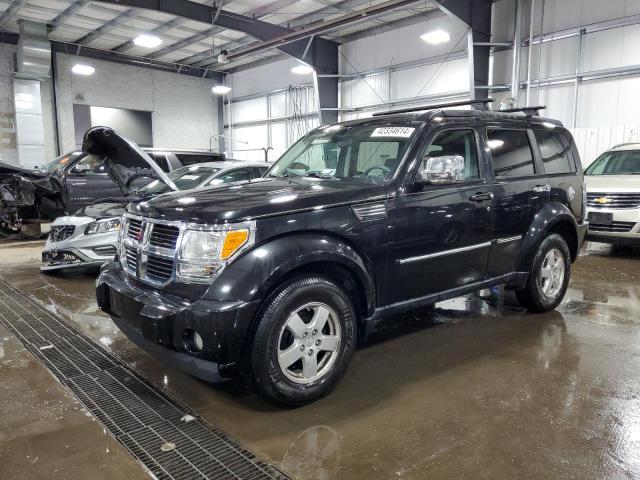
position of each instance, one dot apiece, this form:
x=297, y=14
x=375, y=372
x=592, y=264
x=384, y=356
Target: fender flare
x=551, y=214
x=251, y=276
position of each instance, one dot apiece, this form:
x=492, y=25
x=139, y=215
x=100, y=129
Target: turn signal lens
x=232, y=242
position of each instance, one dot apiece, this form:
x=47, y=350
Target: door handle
x=541, y=188
x=481, y=196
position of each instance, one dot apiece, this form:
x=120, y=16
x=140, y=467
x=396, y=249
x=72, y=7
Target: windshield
x=621, y=162
x=60, y=162
x=183, y=178
x=364, y=153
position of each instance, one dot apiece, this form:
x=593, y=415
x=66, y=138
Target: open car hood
x=126, y=161
x=9, y=169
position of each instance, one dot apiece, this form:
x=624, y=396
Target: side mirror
x=441, y=170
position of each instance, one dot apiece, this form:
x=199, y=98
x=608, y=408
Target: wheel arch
x=554, y=217
x=256, y=274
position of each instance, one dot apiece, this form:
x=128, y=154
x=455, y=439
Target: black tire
x=264, y=370
x=531, y=296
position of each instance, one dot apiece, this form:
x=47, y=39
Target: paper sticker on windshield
x=402, y=132
x=190, y=177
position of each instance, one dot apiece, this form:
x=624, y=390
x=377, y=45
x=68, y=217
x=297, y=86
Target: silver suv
x=613, y=196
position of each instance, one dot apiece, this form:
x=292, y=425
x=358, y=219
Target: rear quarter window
x=511, y=153
x=555, y=150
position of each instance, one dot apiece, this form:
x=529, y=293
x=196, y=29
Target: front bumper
x=158, y=323
x=624, y=230
x=79, y=250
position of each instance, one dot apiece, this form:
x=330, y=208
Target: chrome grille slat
x=150, y=249
x=613, y=200
x=165, y=236
x=620, y=227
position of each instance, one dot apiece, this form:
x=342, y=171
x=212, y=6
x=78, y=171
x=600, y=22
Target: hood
x=612, y=183
x=256, y=198
x=100, y=210
x=126, y=161
x=10, y=169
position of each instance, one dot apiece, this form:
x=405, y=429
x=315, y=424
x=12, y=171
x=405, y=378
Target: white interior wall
x=184, y=111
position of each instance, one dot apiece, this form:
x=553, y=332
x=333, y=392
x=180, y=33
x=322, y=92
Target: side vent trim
x=370, y=211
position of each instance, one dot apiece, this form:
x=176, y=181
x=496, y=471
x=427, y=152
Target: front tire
x=303, y=342
x=549, y=275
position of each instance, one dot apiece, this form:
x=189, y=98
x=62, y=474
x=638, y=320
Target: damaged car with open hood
x=72, y=181
x=89, y=237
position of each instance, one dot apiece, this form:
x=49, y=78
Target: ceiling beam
x=258, y=13
x=264, y=31
x=10, y=12
x=366, y=14
x=105, y=27
x=67, y=13
x=205, y=59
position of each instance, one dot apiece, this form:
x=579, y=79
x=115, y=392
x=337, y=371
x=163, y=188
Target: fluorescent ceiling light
x=147, y=41
x=302, y=69
x=221, y=89
x=81, y=69
x=436, y=37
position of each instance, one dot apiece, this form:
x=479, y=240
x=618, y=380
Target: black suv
x=276, y=278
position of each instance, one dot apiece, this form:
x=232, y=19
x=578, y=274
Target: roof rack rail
x=532, y=110
x=438, y=106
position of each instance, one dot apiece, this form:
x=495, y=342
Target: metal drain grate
x=139, y=416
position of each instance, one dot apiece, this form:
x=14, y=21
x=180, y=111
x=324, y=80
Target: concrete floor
x=467, y=390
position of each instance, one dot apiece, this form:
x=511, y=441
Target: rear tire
x=303, y=342
x=549, y=274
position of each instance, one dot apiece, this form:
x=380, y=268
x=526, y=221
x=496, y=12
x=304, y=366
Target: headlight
x=103, y=226
x=204, y=252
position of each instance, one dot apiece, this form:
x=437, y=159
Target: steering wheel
x=385, y=170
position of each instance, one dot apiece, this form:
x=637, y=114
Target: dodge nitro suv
x=275, y=279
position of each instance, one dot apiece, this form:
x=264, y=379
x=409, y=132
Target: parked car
x=89, y=237
x=277, y=278
x=613, y=196
x=70, y=182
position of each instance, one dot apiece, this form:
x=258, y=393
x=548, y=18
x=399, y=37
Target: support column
x=477, y=15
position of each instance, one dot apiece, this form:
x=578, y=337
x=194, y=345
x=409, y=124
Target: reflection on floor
x=473, y=387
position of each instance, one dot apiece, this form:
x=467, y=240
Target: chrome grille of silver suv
x=148, y=249
x=613, y=200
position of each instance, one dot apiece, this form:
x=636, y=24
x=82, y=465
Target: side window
x=259, y=171
x=161, y=160
x=455, y=143
x=380, y=156
x=233, y=176
x=90, y=165
x=511, y=153
x=555, y=150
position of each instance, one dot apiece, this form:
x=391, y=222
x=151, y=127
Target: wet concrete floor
x=469, y=389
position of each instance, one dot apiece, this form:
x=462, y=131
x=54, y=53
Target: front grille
x=165, y=236
x=149, y=249
x=134, y=229
x=159, y=269
x=619, y=227
x=58, y=233
x=131, y=259
x=613, y=200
